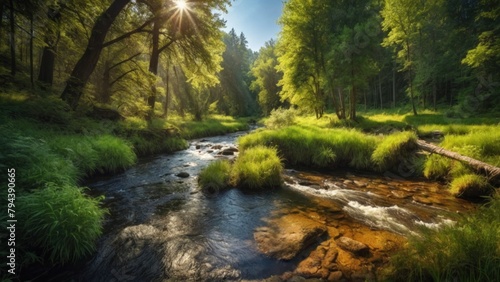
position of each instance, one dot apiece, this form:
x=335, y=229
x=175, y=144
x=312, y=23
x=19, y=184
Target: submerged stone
x=287, y=236
x=351, y=245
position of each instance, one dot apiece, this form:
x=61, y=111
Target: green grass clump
x=311, y=146
x=466, y=251
x=392, y=148
x=215, y=176
x=61, y=221
x=34, y=161
x=280, y=118
x=471, y=186
x=114, y=154
x=211, y=126
x=257, y=168
x=482, y=145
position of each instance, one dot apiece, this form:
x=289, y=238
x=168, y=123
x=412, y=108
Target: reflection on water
x=191, y=235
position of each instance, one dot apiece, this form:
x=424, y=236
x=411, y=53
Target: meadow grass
x=311, y=146
x=393, y=148
x=215, y=177
x=471, y=186
x=466, y=251
x=257, y=168
x=60, y=221
x=210, y=126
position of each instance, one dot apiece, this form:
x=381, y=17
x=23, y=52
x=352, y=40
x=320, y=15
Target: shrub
x=466, y=251
x=257, y=168
x=280, y=118
x=215, y=176
x=48, y=110
x=392, y=148
x=61, y=221
x=471, y=186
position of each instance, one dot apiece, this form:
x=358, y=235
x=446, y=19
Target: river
x=161, y=227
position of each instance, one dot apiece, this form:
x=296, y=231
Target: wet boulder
x=287, y=236
x=182, y=174
x=351, y=245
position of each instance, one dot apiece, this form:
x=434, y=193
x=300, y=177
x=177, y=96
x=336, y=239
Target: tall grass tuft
x=466, y=251
x=392, y=148
x=34, y=161
x=310, y=146
x=471, y=186
x=215, y=176
x=257, y=168
x=113, y=153
x=61, y=221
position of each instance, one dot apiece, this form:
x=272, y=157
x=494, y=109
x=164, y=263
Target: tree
x=302, y=50
x=86, y=64
x=267, y=78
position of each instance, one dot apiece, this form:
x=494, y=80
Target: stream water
x=161, y=226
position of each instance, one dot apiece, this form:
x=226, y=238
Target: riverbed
x=161, y=227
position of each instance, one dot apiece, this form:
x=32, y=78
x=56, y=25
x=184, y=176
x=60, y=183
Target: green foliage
x=50, y=110
x=393, y=148
x=34, y=161
x=215, y=125
x=471, y=186
x=466, y=251
x=312, y=146
x=257, y=168
x=61, y=221
x=215, y=176
x=280, y=118
x=113, y=154
x=267, y=78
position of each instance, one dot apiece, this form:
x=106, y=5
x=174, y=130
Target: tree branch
x=124, y=61
x=121, y=76
x=128, y=34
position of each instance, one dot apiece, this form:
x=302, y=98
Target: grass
x=215, y=177
x=466, y=251
x=393, y=148
x=210, y=126
x=310, y=146
x=471, y=186
x=257, y=168
x=61, y=221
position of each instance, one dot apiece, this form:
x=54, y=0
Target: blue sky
x=257, y=19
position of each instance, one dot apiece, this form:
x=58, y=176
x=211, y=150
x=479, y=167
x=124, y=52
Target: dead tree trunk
x=491, y=171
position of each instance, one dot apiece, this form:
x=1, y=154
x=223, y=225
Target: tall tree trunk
x=380, y=92
x=153, y=66
x=32, y=80
x=434, y=94
x=410, y=78
x=86, y=65
x=342, y=103
x=394, y=87
x=52, y=36
x=353, y=98
x=167, y=93
x=12, y=40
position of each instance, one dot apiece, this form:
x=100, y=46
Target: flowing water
x=161, y=226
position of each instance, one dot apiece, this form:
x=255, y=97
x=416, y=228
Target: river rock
x=182, y=174
x=422, y=200
x=216, y=147
x=229, y=151
x=351, y=245
x=400, y=194
x=287, y=236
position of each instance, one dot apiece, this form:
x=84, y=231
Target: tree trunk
x=167, y=93
x=342, y=103
x=434, y=94
x=153, y=66
x=491, y=171
x=394, y=87
x=380, y=92
x=12, y=40
x=47, y=63
x=410, y=78
x=86, y=65
x=32, y=80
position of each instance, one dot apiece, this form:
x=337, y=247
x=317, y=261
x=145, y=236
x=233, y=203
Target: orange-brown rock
x=285, y=237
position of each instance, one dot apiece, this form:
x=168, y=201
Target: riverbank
x=54, y=150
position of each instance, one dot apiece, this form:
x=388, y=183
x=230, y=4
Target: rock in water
x=351, y=245
x=287, y=236
x=182, y=174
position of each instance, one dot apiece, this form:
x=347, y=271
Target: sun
x=181, y=4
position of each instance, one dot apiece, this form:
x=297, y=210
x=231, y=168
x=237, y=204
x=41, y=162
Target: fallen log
x=491, y=171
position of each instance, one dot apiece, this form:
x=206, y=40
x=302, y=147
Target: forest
x=91, y=89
